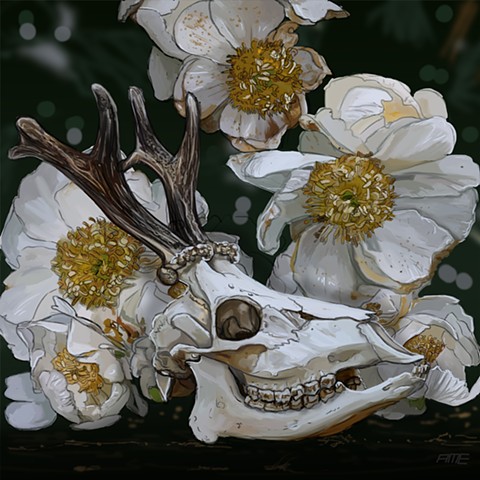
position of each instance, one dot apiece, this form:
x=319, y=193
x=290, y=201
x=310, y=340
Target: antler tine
x=178, y=173
x=100, y=174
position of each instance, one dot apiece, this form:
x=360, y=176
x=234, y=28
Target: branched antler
x=178, y=173
x=100, y=173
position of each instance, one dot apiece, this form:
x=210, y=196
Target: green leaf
x=418, y=403
x=155, y=394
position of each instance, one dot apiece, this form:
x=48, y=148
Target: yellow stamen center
x=263, y=78
x=427, y=345
x=83, y=374
x=95, y=262
x=351, y=196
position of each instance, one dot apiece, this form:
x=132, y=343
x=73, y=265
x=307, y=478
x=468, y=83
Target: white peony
x=436, y=327
x=77, y=372
x=373, y=197
x=58, y=244
x=250, y=82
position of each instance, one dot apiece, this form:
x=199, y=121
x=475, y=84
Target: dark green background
x=413, y=41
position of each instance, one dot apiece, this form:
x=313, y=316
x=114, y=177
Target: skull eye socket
x=237, y=320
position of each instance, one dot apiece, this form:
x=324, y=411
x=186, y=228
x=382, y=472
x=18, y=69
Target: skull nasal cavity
x=237, y=320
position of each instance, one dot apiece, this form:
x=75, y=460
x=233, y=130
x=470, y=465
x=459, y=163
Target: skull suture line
x=266, y=365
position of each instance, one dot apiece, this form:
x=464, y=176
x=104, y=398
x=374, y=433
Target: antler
x=179, y=173
x=100, y=173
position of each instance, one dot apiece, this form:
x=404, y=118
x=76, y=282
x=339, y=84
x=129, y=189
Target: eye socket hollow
x=237, y=320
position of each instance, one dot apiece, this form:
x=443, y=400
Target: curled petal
x=324, y=269
x=286, y=206
x=444, y=387
x=271, y=170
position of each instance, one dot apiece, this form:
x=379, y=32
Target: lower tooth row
x=305, y=401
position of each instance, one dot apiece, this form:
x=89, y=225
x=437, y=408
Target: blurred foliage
x=407, y=22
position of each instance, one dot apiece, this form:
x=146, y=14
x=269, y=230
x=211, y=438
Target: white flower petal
x=20, y=388
x=431, y=103
x=96, y=424
x=54, y=385
x=391, y=304
x=202, y=208
x=196, y=33
x=336, y=130
x=325, y=269
x=8, y=330
x=206, y=80
x=29, y=295
x=281, y=279
x=29, y=415
x=360, y=102
x=136, y=403
x=452, y=174
x=141, y=187
x=163, y=72
x=418, y=142
x=75, y=207
x=62, y=306
x=445, y=312
x=159, y=198
x=401, y=254
x=317, y=142
x=285, y=206
x=241, y=22
x=84, y=337
x=454, y=213
x=250, y=126
x=14, y=240
x=127, y=8
x=158, y=20
x=119, y=396
x=314, y=67
x=271, y=169
x=36, y=205
x=446, y=388
x=338, y=88
x=308, y=12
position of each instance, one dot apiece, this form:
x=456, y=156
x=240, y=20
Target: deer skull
x=266, y=365
x=269, y=365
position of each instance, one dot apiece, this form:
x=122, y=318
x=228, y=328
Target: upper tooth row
x=294, y=393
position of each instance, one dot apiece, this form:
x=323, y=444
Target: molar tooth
x=353, y=383
x=254, y=403
x=310, y=400
x=311, y=388
x=252, y=392
x=326, y=394
x=282, y=396
x=274, y=407
x=297, y=392
x=296, y=404
x=266, y=395
x=339, y=387
x=327, y=381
